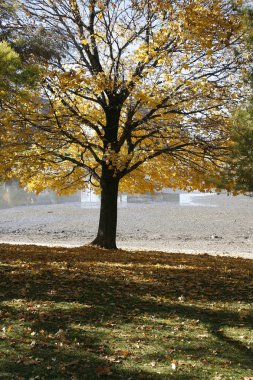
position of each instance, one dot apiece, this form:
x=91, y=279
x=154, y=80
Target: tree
x=16, y=79
x=7, y=10
x=140, y=99
x=238, y=171
x=20, y=50
x=13, y=74
x=31, y=42
x=242, y=162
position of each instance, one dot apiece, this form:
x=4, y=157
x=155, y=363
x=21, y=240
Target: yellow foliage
x=146, y=96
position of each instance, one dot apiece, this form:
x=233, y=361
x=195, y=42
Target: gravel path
x=207, y=224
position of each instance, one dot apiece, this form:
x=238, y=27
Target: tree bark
x=106, y=236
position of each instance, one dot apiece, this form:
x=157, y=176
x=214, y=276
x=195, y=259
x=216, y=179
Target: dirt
x=216, y=224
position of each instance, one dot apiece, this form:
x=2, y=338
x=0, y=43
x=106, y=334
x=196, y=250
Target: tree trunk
x=106, y=237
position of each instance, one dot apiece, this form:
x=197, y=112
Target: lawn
x=85, y=313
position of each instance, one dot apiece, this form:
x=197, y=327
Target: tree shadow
x=74, y=299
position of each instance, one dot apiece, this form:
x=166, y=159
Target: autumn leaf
x=123, y=353
x=103, y=371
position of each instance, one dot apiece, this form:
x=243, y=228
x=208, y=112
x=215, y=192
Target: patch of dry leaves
x=55, y=299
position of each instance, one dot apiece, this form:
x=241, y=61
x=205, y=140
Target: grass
x=93, y=314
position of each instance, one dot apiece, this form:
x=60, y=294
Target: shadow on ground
x=87, y=313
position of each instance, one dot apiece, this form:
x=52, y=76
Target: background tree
x=22, y=50
x=16, y=79
x=140, y=99
x=243, y=131
x=238, y=173
x=241, y=166
x=7, y=10
x=30, y=41
x=13, y=74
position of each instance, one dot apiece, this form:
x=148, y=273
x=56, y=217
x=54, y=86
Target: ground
x=84, y=313
x=217, y=224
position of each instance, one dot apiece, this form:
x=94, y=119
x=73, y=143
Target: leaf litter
x=85, y=313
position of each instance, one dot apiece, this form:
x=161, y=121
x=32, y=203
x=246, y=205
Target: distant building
x=11, y=195
x=166, y=195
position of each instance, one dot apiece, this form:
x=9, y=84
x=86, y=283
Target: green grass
x=93, y=314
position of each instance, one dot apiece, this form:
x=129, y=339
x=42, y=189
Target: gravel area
x=214, y=224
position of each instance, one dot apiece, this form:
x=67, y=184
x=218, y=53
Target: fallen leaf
x=123, y=353
x=103, y=371
x=174, y=366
